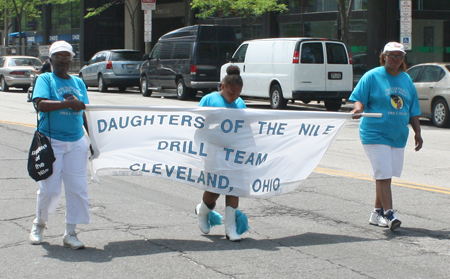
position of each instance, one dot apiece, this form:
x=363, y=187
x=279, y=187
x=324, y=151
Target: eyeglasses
x=395, y=56
x=62, y=58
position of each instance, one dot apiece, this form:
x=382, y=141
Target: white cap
x=60, y=46
x=394, y=46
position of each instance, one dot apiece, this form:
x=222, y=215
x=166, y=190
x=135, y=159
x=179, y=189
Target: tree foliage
x=250, y=9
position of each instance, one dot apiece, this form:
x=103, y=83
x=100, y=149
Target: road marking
x=17, y=123
x=397, y=182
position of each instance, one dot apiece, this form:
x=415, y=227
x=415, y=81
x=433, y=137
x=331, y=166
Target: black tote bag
x=40, y=157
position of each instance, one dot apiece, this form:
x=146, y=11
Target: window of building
x=435, y=5
x=292, y=29
x=299, y=6
x=429, y=41
x=66, y=16
x=321, y=29
x=248, y=32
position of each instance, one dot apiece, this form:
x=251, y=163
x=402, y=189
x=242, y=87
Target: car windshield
x=126, y=56
x=24, y=62
x=448, y=67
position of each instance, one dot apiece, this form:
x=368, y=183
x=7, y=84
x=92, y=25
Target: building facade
x=372, y=24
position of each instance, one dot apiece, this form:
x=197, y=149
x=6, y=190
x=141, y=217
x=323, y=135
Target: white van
x=306, y=69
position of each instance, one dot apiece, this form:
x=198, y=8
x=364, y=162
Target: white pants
x=386, y=161
x=70, y=167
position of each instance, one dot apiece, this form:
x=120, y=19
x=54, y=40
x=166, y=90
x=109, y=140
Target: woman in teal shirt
x=388, y=90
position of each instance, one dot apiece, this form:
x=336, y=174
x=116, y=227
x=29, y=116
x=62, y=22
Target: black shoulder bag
x=40, y=156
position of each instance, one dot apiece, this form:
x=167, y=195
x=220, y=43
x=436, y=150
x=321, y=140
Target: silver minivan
x=113, y=68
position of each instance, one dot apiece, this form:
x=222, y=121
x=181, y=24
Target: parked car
x=306, y=69
x=188, y=59
x=432, y=82
x=112, y=68
x=15, y=71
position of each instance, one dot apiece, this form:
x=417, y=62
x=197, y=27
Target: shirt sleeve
x=203, y=102
x=42, y=87
x=361, y=93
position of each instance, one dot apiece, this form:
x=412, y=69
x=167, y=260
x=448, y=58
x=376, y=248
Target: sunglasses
x=392, y=56
x=62, y=58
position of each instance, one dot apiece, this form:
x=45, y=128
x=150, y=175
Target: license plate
x=130, y=66
x=334, y=75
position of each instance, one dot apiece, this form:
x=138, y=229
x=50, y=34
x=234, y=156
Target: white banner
x=240, y=152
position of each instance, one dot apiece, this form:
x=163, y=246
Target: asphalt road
x=144, y=227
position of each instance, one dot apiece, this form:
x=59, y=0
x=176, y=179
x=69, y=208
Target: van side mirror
x=229, y=57
x=146, y=56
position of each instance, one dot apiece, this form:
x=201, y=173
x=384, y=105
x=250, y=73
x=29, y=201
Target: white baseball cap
x=60, y=46
x=394, y=46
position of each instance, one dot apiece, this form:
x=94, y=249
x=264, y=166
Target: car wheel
x=183, y=93
x=122, y=88
x=440, y=114
x=277, y=101
x=101, y=84
x=144, y=87
x=3, y=84
x=24, y=89
x=333, y=105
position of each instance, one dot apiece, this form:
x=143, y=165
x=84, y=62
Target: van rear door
x=339, y=76
x=309, y=73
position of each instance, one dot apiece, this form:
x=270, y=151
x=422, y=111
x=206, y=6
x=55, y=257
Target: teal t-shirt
x=393, y=96
x=64, y=124
x=214, y=99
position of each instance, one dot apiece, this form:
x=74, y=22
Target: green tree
x=131, y=6
x=345, y=10
x=18, y=9
x=249, y=9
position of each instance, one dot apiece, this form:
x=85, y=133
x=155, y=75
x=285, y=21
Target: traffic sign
x=148, y=4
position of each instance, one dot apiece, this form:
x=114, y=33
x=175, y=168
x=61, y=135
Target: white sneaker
x=36, y=233
x=393, y=222
x=71, y=241
x=377, y=218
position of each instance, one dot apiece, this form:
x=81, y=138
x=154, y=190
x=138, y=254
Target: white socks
x=70, y=228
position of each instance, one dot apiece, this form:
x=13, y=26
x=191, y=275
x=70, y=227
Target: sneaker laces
x=380, y=212
x=390, y=214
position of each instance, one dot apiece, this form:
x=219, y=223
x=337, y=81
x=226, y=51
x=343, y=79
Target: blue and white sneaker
x=377, y=218
x=393, y=222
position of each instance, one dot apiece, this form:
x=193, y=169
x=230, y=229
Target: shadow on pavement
x=133, y=248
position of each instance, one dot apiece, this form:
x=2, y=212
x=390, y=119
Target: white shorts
x=387, y=161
